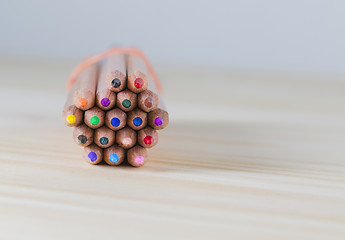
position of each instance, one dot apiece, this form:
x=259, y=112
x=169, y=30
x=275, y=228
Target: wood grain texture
x=267, y=162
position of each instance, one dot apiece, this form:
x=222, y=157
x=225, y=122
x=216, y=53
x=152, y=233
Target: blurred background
x=299, y=36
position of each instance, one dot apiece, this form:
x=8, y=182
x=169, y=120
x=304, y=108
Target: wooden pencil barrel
x=104, y=137
x=72, y=116
x=158, y=119
x=147, y=137
x=126, y=138
x=137, y=119
x=114, y=155
x=84, y=96
x=137, y=156
x=148, y=100
x=93, y=154
x=94, y=118
x=114, y=72
x=126, y=100
x=116, y=119
x=137, y=74
x=83, y=135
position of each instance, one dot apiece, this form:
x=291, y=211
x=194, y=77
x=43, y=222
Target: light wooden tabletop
x=246, y=156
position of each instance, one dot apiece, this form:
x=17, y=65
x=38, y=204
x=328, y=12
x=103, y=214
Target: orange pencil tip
x=83, y=102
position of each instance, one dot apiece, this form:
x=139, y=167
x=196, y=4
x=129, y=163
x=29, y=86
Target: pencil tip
x=92, y=156
x=115, y=122
x=137, y=121
x=148, y=102
x=82, y=139
x=105, y=102
x=104, y=140
x=94, y=120
x=70, y=119
x=139, y=160
x=159, y=121
x=148, y=140
x=114, y=158
x=126, y=103
x=138, y=83
x=83, y=102
x=116, y=83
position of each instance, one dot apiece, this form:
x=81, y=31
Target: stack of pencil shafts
x=116, y=110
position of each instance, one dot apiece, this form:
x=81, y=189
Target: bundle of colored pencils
x=116, y=109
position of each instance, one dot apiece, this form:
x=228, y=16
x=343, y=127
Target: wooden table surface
x=246, y=156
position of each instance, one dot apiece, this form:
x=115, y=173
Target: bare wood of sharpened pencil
x=115, y=72
x=137, y=119
x=105, y=98
x=148, y=100
x=94, y=117
x=83, y=135
x=159, y=118
x=104, y=137
x=137, y=156
x=84, y=96
x=93, y=154
x=114, y=155
x=126, y=100
x=147, y=137
x=71, y=115
x=136, y=74
x=116, y=119
x=126, y=138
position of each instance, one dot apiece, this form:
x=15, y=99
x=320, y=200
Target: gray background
x=294, y=36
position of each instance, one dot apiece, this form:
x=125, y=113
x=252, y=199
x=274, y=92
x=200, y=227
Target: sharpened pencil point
x=116, y=83
x=92, y=156
x=104, y=140
x=114, y=158
x=137, y=121
x=126, y=103
x=159, y=121
x=139, y=160
x=115, y=122
x=94, y=120
x=148, y=102
x=71, y=119
x=138, y=83
x=148, y=140
x=82, y=139
x=83, y=102
x=105, y=102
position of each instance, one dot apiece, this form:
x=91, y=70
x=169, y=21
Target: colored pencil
x=147, y=137
x=71, y=115
x=114, y=155
x=104, y=137
x=93, y=154
x=114, y=72
x=126, y=138
x=94, y=118
x=147, y=100
x=137, y=119
x=137, y=156
x=83, y=135
x=126, y=100
x=116, y=119
x=105, y=98
x=84, y=96
x=158, y=118
x=136, y=74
